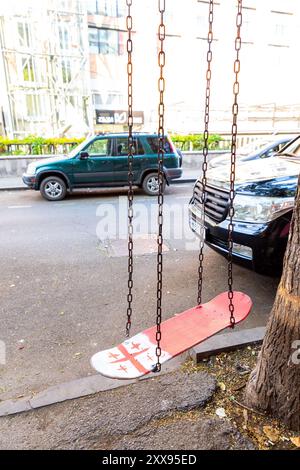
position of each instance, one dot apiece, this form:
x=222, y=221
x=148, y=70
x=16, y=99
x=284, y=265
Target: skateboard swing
x=146, y=351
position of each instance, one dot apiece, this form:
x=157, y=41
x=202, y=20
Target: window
x=94, y=40
x=92, y=7
x=66, y=70
x=24, y=36
x=114, y=99
x=282, y=26
x=122, y=147
x=35, y=105
x=28, y=69
x=153, y=142
x=64, y=37
x=99, y=148
x=113, y=8
x=106, y=41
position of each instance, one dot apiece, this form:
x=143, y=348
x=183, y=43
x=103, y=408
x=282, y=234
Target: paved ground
x=134, y=417
x=63, y=285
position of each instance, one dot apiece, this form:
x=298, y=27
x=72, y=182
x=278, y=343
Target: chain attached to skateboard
x=160, y=157
x=130, y=167
x=235, y=110
x=205, y=148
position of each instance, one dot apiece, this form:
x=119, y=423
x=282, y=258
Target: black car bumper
x=258, y=246
x=29, y=181
x=173, y=173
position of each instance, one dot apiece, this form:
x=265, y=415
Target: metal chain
x=205, y=148
x=235, y=110
x=130, y=167
x=160, y=157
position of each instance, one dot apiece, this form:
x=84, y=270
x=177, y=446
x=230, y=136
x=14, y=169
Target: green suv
x=102, y=161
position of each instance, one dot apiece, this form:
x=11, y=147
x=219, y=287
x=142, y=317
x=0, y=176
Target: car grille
x=216, y=202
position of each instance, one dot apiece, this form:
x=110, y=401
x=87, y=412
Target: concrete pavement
x=64, y=296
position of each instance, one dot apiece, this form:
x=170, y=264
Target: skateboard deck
x=136, y=356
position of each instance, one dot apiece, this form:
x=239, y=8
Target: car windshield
x=254, y=147
x=78, y=148
x=292, y=150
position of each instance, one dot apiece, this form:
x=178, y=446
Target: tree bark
x=274, y=384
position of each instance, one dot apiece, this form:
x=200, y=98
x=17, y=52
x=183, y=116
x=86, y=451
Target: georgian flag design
x=130, y=360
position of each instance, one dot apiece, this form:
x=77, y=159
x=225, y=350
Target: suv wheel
x=150, y=184
x=53, y=188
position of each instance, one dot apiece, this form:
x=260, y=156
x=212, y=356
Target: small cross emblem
x=113, y=356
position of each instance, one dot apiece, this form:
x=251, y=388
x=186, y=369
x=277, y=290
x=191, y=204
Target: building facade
x=44, y=67
x=65, y=66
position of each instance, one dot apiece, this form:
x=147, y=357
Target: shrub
x=184, y=142
x=36, y=145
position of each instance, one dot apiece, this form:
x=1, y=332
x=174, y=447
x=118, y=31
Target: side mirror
x=83, y=155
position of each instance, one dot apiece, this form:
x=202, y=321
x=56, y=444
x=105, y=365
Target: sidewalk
x=12, y=182
x=15, y=182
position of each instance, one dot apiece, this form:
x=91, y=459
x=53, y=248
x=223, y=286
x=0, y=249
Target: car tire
x=150, y=184
x=53, y=188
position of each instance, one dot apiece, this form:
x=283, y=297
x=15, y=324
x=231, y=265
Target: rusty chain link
x=205, y=148
x=235, y=110
x=160, y=157
x=130, y=167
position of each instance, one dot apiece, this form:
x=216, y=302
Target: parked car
x=264, y=199
x=102, y=161
x=262, y=149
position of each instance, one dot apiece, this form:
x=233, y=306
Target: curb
x=96, y=383
x=15, y=188
x=77, y=389
x=227, y=342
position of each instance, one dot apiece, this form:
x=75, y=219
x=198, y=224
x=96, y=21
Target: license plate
x=196, y=227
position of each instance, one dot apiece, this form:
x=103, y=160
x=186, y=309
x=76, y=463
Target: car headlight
x=31, y=169
x=260, y=209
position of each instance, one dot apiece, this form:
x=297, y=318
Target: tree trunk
x=274, y=384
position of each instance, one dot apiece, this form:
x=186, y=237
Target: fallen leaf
x=271, y=433
x=79, y=354
x=296, y=441
x=222, y=386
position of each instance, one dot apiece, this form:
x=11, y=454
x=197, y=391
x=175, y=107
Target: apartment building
x=269, y=94
x=82, y=46
x=44, y=68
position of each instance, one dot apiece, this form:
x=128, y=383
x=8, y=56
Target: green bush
x=185, y=142
x=36, y=145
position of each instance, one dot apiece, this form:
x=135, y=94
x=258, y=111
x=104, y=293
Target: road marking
x=19, y=207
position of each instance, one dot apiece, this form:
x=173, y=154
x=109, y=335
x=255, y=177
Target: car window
x=281, y=145
x=99, y=148
x=122, y=147
x=270, y=152
x=153, y=142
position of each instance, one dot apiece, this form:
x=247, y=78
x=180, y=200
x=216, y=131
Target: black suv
x=264, y=199
x=102, y=161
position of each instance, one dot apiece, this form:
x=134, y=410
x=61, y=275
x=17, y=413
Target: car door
x=97, y=169
x=120, y=158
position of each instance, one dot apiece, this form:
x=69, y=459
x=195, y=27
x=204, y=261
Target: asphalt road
x=63, y=280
